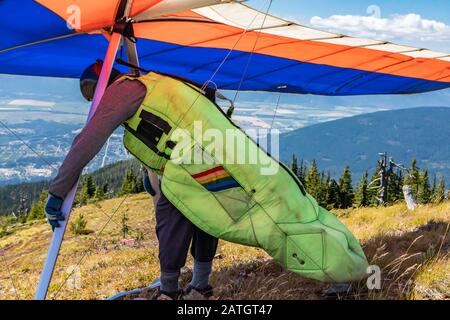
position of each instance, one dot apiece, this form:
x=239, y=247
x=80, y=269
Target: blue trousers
x=175, y=233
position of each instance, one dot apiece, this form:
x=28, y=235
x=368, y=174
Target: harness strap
x=145, y=139
x=155, y=120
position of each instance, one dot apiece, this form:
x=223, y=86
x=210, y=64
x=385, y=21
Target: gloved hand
x=53, y=211
x=147, y=185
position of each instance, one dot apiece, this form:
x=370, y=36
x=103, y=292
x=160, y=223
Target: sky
x=418, y=23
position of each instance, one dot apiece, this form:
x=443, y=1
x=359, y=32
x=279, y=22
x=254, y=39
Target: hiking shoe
x=192, y=293
x=163, y=295
x=337, y=289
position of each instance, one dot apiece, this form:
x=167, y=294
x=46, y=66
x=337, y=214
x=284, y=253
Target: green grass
x=411, y=248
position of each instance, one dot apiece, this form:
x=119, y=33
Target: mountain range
x=422, y=133
x=47, y=113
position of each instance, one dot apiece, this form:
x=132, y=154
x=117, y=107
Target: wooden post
x=410, y=200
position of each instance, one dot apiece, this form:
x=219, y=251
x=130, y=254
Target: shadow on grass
x=400, y=255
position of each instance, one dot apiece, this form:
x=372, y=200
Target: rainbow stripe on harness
x=216, y=179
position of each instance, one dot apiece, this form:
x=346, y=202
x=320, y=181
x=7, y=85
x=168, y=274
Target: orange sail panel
x=93, y=14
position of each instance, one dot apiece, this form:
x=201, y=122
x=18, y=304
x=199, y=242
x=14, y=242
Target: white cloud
x=32, y=103
x=252, y=120
x=401, y=27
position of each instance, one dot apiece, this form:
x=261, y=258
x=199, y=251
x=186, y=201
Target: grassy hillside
x=411, y=248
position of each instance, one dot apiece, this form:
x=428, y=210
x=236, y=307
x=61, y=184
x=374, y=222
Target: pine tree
x=333, y=195
x=302, y=172
x=99, y=193
x=424, y=191
x=323, y=190
x=89, y=186
x=439, y=194
x=38, y=209
x=87, y=190
x=434, y=186
x=138, y=184
x=125, y=228
x=412, y=177
x=400, y=195
x=105, y=188
x=127, y=185
x=294, y=164
x=312, y=180
x=395, y=187
x=78, y=226
x=362, y=196
x=346, y=188
x=132, y=183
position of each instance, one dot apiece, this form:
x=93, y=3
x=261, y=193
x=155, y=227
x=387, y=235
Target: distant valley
x=45, y=114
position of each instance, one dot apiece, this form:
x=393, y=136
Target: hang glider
x=195, y=38
x=220, y=41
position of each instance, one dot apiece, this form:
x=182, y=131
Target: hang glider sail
x=222, y=41
x=193, y=38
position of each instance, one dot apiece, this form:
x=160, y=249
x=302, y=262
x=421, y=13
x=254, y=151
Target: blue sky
x=419, y=23
x=306, y=9
x=436, y=13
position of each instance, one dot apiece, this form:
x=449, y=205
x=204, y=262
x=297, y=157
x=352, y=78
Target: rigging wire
x=276, y=111
x=79, y=262
x=44, y=160
x=252, y=52
x=232, y=50
x=110, y=217
x=27, y=145
x=205, y=85
x=244, y=74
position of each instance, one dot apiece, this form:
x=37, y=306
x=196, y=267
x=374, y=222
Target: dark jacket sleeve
x=120, y=101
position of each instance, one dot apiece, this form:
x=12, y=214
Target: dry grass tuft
x=411, y=249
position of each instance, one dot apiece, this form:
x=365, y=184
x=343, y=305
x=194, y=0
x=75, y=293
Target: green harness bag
x=235, y=201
